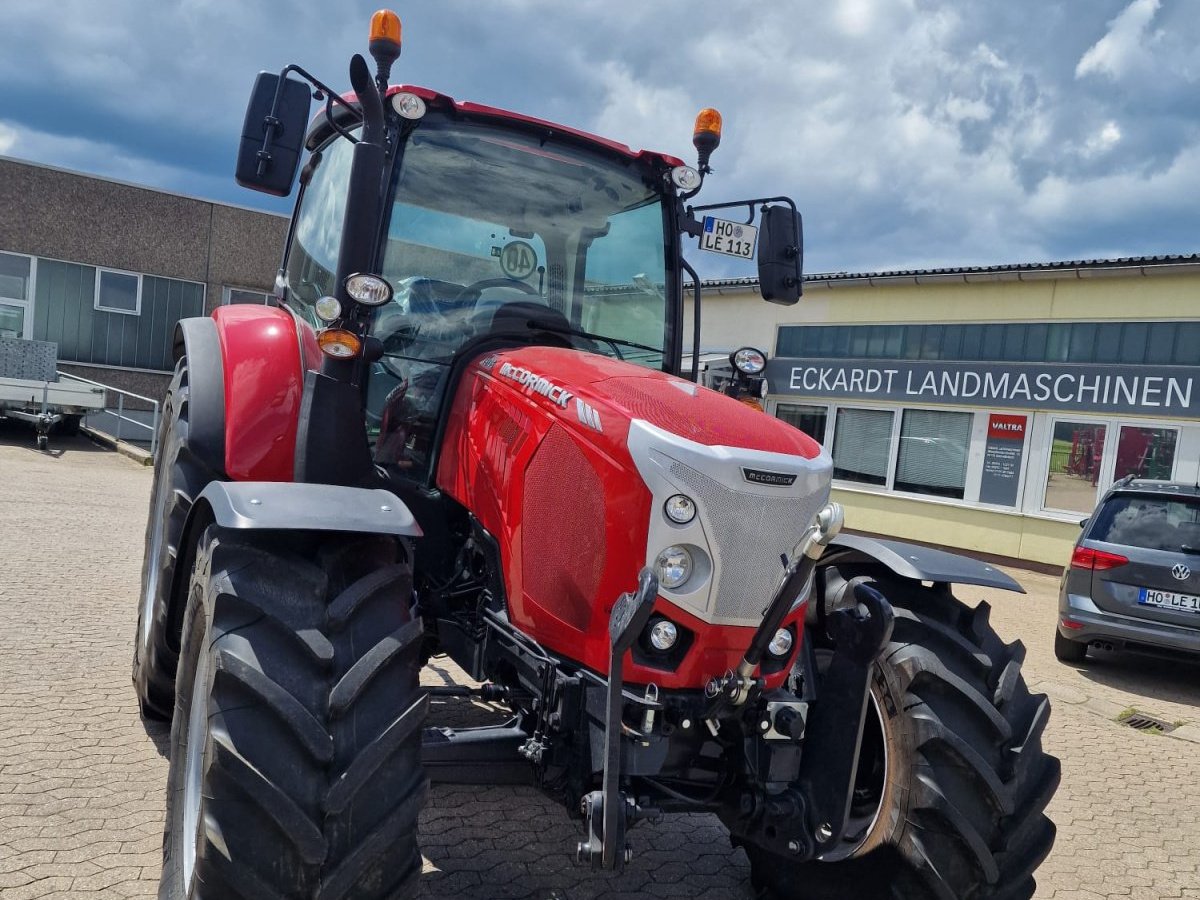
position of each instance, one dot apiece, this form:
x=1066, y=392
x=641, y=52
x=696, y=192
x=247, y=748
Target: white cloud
x=1125, y=46
x=911, y=132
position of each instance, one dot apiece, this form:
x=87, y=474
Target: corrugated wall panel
x=64, y=312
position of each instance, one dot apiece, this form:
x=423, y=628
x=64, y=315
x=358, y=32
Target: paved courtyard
x=81, y=780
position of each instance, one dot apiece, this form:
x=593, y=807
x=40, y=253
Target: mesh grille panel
x=750, y=531
x=563, y=507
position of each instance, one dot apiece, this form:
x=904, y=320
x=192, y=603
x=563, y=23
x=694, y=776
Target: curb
x=1105, y=709
x=137, y=454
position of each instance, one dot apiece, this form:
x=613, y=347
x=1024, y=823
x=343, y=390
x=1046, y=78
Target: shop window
x=1133, y=342
x=933, y=452
x=118, y=292
x=952, y=342
x=1035, y=342
x=241, y=295
x=912, y=341
x=1108, y=342
x=1058, y=343
x=992, y=348
x=1145, y=452
x=972, y=342
x=1161, y=344
x=931, y=342
x=1083, y=342
x=809, y=419
x=862, y=439
x=1076, y=450
x=1187, y=344
x=1014, y=343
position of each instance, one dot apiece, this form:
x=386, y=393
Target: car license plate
x=1169, y=600
x=730, y=238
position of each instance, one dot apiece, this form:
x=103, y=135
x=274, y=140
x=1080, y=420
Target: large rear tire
x=953, y=782
x=179, y=476
x=295, y=748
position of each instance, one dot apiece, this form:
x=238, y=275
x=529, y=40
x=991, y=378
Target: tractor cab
x=493, y=231
x=468, y=227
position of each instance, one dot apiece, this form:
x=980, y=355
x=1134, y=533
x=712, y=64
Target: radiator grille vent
x=749, y=532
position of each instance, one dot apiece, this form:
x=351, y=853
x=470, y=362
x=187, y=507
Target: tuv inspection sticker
x=730, y=238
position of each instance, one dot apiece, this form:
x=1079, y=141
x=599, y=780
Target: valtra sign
x=1117, y=389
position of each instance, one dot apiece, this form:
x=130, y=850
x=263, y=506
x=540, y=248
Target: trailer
x=30, y=389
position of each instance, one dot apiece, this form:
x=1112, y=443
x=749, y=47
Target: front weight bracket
x=608, y=808
x=835, y=721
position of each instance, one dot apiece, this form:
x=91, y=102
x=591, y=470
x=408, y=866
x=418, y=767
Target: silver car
x=1134, y=578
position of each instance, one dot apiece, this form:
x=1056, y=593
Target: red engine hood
x=603, y=395
x=537, y=447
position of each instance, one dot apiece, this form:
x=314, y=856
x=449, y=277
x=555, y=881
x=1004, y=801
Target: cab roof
x=320, y=128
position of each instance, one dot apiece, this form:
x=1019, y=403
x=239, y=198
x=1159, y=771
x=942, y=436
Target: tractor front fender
x=197, y=340
x=263, y=379
x=917, y=563
x=296, y=506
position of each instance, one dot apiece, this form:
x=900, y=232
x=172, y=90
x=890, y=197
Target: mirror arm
x=695, y=319
x=322, y=92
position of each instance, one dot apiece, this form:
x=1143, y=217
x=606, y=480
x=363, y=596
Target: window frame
x=99, y=307
x=228, y=289
x=25, y=304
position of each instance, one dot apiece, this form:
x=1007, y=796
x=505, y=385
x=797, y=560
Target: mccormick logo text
x=536, y=384
x=775, y=479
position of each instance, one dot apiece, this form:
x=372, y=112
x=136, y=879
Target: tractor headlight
x=680, y=509
x=369, y=290
x=327, y=309
x=663, y=635
x=781, y=644
x=685, y=178
x=408, y=106
x=673, y=566
x=748, y=360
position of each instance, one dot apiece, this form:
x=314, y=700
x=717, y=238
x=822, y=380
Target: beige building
x=984, y=409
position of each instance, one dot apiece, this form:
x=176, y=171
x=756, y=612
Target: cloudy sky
x=912, y=133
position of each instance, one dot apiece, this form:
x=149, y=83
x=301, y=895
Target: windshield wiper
x=1186, y=548
x=541, y=325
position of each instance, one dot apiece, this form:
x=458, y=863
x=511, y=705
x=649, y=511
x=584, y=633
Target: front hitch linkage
x=731, y=691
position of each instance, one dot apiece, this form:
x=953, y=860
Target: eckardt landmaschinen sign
x=1090, y=388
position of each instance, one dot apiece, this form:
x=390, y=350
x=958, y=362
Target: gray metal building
x=105, y=269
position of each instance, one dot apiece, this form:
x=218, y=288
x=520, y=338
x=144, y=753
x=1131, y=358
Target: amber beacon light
x=384, y=42
x=706, y=136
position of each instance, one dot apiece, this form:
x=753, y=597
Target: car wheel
x=1067, y=650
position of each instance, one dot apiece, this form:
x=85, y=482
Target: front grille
x=749, y=533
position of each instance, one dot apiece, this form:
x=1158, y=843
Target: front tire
x=295, y=748
x=179, y=477
x=953, y=781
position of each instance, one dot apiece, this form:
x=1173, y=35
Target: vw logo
x=1180, y=571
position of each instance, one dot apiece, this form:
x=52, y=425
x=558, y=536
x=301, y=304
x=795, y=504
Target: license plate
x=730, y=238
x=1169, y=600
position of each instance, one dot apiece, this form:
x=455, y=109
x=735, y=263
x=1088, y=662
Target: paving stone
x=81, y=777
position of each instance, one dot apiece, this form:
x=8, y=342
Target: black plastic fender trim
x=923, y=563
x=296, y=506
x=197, y=339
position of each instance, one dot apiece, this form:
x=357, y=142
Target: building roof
x=15, y=160
x=1076, y=268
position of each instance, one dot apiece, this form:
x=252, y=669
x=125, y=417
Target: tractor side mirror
x=273, y=134
x=780, y=254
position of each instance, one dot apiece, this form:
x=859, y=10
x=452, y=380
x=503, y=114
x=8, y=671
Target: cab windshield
x=490, y=229
x=485, y=217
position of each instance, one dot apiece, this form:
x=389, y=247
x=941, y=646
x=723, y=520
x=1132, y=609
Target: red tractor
x=462, y=429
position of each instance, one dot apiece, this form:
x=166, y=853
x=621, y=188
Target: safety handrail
x=120, y=413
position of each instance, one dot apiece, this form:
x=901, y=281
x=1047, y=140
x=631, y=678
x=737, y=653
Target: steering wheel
x=478, y=287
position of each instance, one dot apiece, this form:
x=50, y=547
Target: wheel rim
x=193, y=772
x=870, y=788
x=157, y=535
